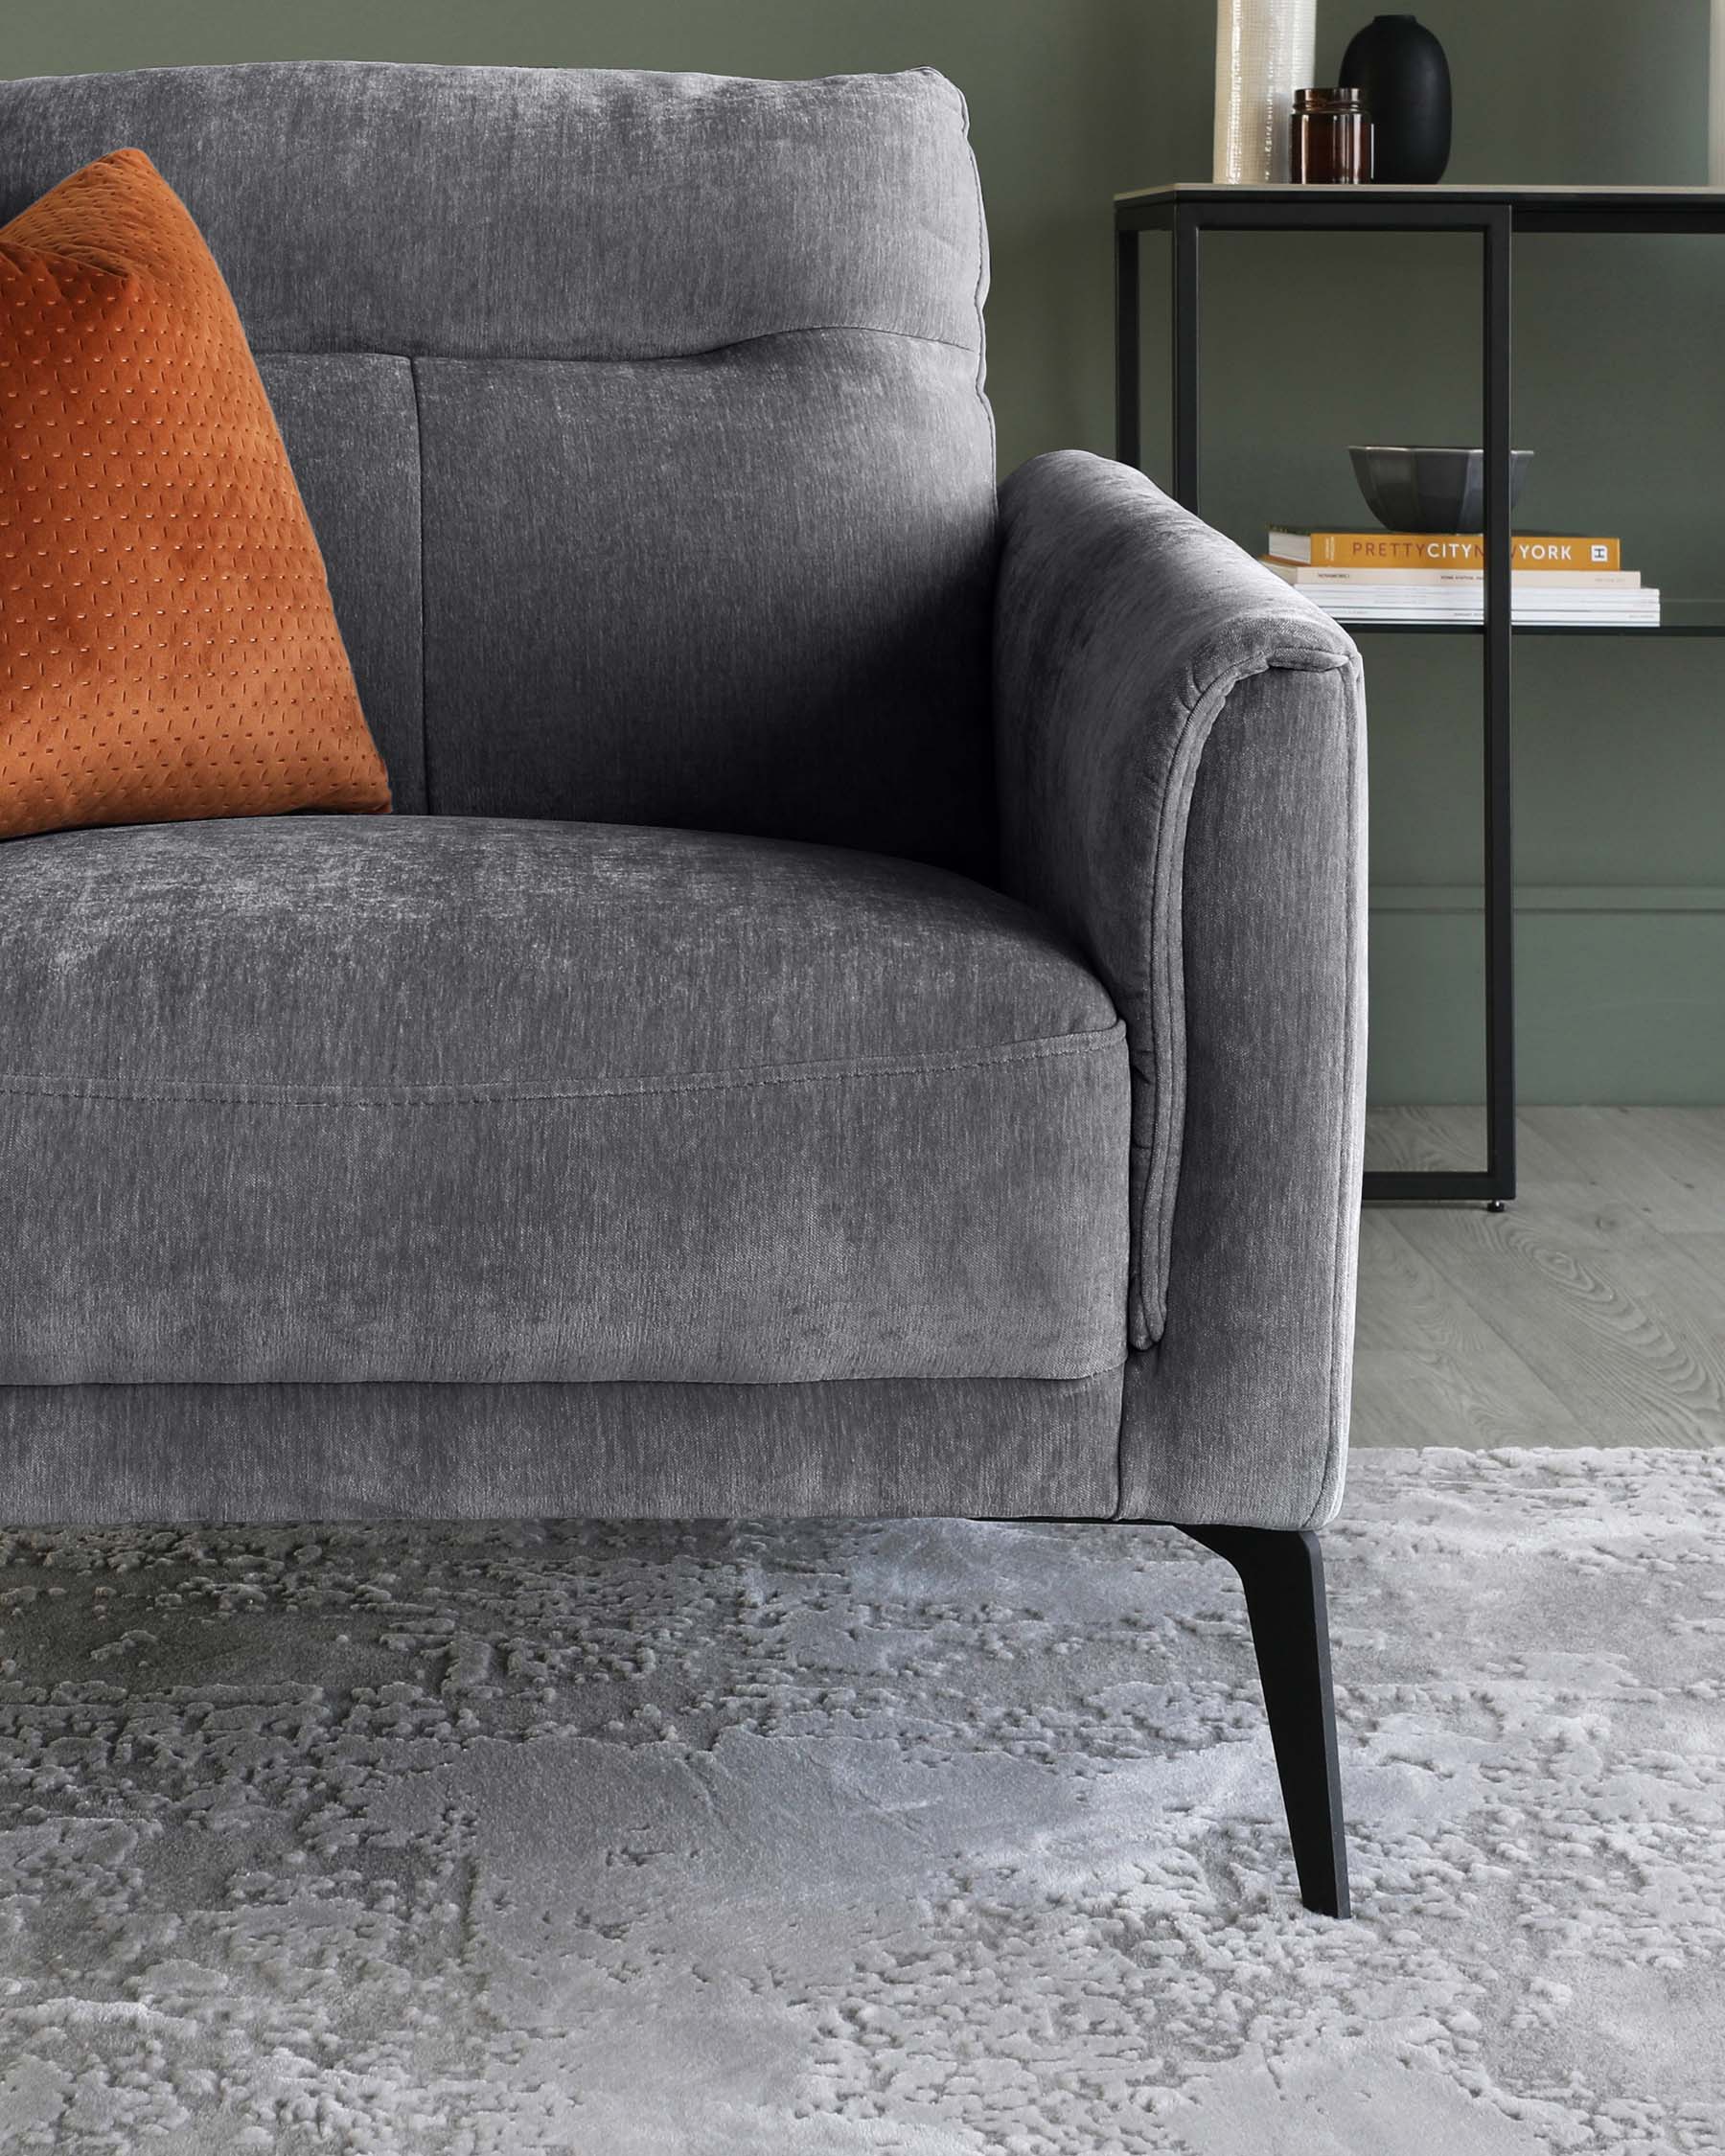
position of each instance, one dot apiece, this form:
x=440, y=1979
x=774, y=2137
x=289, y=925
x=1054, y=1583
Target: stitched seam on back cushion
x=626, y=359
x=982, y=272
x=459, y=1096
x=419, y=474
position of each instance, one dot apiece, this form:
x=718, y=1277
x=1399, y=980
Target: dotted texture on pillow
x=168, y=645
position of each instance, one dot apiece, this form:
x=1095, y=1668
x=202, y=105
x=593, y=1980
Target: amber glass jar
x=1331, y=138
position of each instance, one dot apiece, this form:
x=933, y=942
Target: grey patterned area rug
x=919, y=1838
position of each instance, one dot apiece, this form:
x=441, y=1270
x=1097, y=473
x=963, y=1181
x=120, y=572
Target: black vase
x=1403, y=80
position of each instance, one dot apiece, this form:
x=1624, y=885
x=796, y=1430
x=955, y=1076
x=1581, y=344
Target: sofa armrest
x=1180, y=743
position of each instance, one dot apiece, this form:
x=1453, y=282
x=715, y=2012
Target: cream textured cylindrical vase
x=1716, y=99
x=1264, y=53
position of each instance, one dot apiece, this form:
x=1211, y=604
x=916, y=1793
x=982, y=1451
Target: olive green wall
x=1310, y=343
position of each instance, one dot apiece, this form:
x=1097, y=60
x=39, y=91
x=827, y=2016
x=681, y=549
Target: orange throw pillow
x=167, y=648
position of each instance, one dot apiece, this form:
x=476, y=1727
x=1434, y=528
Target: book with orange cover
x=1439, y=550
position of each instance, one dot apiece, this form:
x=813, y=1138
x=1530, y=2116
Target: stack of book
x=1557, y=579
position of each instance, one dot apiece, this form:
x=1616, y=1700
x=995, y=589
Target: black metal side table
x=1497, y=214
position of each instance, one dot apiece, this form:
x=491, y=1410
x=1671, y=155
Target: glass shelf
x=1681, y=617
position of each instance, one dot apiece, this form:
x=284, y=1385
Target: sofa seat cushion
x=483, y=1100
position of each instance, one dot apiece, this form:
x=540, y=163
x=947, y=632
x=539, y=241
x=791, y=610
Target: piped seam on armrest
x=1205, y=705
x=1353, y=1078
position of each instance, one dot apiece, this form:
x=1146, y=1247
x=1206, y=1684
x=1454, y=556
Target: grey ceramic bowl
x=1430, y=489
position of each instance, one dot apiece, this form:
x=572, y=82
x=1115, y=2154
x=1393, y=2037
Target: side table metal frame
x=1187, y=218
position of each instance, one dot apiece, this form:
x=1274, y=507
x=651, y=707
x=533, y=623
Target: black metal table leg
x=1283, y=1574
x=1500, y=877
x=1186, y=326
x=1128, y=445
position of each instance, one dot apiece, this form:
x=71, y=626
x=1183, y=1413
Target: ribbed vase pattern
x=1264, y=53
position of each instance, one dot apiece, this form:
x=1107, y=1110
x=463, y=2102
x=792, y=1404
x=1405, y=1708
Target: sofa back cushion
x=639, y=417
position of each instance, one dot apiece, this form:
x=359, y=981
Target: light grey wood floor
x=1592, y=1312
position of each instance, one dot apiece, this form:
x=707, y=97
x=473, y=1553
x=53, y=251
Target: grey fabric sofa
x=861, y=1007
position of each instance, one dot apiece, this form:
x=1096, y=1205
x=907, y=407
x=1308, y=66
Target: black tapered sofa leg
x=1283, y=1573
